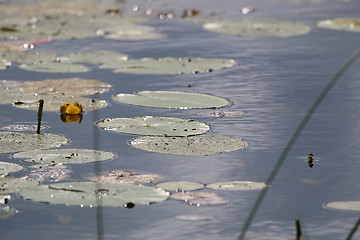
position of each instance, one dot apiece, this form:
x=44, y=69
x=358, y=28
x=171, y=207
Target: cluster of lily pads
x=45, y=21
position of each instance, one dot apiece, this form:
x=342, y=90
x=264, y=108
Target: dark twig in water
x=298, y=229
x=353, y=230
x=39, y=117
x=293, y=139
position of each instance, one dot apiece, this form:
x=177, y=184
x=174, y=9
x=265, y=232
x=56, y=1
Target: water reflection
x=68, y=118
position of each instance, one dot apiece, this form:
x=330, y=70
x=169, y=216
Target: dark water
x=274, y=83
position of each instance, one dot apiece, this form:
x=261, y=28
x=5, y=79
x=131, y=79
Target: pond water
x=275, y=82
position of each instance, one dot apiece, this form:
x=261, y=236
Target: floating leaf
x=15, y=142
x=344, y=205
x=170, y=65
x=186, y=196
x=93, y=194
x=344, y=24
x=97, y=57
x=23, y=127
x=169, y=99
x=64, y=156
x=237, y=185
x=121, y=176
x=6, y=167
x=11, y=185
x=194, y=217
x=49, y=173
x=131, y=32
x=28, y=57
x=156, y=126
x=180, y=186
x=55, y=67
x=257, y=28
x=194, y=145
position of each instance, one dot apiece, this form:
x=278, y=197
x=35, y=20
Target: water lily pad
x=6, y=167
x=49, y=173
x=344, y=24
x=55, y=67
x=237, y=185
x=344, y=205
x=194, y=145
x=186, y=196
x=169, y=99
x=16, y=142
x=25, y=127
x=64, y=156
x=93, y=194
x=257, y=27
x=155, y=126
x=170, y=65
x=180, y=186
x=194, y=217
x=131, y=32
x=11, y=185
x=28, y=57
x=97, y=57
x=126, y=177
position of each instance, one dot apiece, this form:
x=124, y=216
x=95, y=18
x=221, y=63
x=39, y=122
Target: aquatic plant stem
x=39, y=117
x=353, y=230
x=293, y=139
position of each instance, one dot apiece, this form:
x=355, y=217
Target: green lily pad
x=55, y=67
x=344, y=24
x=6, y=167
x=237, y=185
x=64, y=156
x=131, y=32
x=94, y=194
x=180, y=186
x=169, y=99
x=155, y=126
x=49, y=173
x=170, y=65
x=344, y=205
x=186, y=196
x=12, y=185
x=126, y=177
x=257, y=28
x=97, y=57
x=194, y=145
x=16, y=142
x=25, y=127
x=53, y=102
x=28, y=57
x=4, y=64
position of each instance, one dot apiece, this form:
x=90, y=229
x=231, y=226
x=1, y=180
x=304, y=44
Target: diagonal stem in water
x=293, y=139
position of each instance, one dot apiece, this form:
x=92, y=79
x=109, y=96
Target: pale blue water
x=274, y=83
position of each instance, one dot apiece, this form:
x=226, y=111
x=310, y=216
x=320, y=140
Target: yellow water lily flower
x=70, y=108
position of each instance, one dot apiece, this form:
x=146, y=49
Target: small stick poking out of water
x=39, y=117
x=298, y=229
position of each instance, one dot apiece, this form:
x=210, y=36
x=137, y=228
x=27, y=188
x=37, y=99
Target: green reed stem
x=293, y=139
x=39, y=117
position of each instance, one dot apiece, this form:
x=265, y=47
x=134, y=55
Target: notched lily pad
x=97, y=57
x=170, y=65
x=237, y=185
x=154, y=126
x=94, y=194
x=15, y=142
x=126, y=177
x=344, y=205
x=169, y=99
x=64, y=156
x=11, y=185
x=194, y=145
x=257, y=27
x=55, y=67
x=344, y=24
x=180, y=186
x=6, y=167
